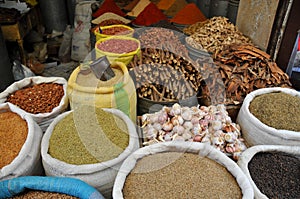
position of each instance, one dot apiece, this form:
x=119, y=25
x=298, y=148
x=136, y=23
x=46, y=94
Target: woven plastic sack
x=257, y=133
x=115, y=57
x=70, y=186
x=81, y=38
x=28, y=161
x=121, y=96
x=202, y=149
x=99, y=175
x=248, y=154
x=42, y=119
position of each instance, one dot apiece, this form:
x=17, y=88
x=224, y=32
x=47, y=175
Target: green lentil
x=88, y=135
x=278, y=110
x=179, y=175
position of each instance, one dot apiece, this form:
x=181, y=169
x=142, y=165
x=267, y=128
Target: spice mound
x=173, y=175
x=276, y=174
x=13, y=134
x=210, y=125
x=190, y=14
x=39, y=98
x=42, y=195
x=150, y=15
x=88, y=135
x=119, y=46
x=278, y=110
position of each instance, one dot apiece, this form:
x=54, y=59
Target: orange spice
x=165, y=4
x=190, y=14
x=13, y=134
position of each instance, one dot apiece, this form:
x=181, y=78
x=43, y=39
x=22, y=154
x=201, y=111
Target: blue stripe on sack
x=69, y=186
x=121, y=98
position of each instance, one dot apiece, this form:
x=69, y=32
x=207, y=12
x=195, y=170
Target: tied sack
x=81, y=36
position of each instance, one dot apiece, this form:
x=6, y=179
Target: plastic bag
x=20, y=71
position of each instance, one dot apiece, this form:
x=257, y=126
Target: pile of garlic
x=199, y=124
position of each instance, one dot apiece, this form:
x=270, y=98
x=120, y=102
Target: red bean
x=39, y=98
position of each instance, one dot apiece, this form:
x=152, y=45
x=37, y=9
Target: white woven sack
x=100, y=175
x=257, y=133
x=202, y=149
x=28, y=162
x=42, y=119
x=81, y=45
x=248, y=154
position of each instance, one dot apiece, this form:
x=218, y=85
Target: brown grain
x=43, y=195
x=13, y=133
x=179, y=175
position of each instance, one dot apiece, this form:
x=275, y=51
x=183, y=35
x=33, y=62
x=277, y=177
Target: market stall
x=163, y=102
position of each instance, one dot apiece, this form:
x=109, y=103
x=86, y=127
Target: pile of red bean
x=116, y=31
x=39, y=98
x=119, y=46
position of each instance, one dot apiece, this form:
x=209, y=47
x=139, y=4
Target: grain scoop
x=101, y=68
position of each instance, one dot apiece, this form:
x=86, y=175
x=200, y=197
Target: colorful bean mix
x=43, y=195
x=119, y=46
x=39, y=98
x=276, y=174
x=179, y=175
x=88, y=136
x=116, y=31
x=13, y=134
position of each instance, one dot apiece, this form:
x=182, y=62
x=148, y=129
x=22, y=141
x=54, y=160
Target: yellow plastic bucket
x=101, y=35
x=121, y=96
x=115, y=57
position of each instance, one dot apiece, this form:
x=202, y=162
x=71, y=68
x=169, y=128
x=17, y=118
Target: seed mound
x=278, y=110
x=88, y=135
x=179, y=175
x=276, y=174
x=42, y=195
